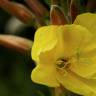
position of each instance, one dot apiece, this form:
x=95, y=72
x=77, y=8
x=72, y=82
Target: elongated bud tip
x=37, y=7
x=18, y=43
x=18, y=10
x=73, y=10
x=57, y=16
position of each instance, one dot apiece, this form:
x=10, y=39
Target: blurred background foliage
x=16, y=67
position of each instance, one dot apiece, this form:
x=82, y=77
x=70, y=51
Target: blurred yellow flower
x=66, y=54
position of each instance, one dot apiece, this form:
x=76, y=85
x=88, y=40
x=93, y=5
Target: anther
x=62, y=63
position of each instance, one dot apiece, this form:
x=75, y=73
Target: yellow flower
x=66, y=54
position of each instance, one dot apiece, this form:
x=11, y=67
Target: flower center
x=62, y=63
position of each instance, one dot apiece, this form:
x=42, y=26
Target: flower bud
x=18, y=43
x=18, y=10
x=57, y=16
x=37, y=7
x=72, y=11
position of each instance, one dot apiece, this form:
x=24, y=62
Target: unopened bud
x=72, y=11
x=57, y=16
x=18, y=43
x=18, y=10
x=37, y=8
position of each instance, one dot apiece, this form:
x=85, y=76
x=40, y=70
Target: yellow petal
x=87, y=20
x=45, y=39
x=85, y=64
x=78, y=85
x=81, y=44
x=45, y=54
x=75, y=36
x=45, y=74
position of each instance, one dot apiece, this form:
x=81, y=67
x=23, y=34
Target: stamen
x=62, y=63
